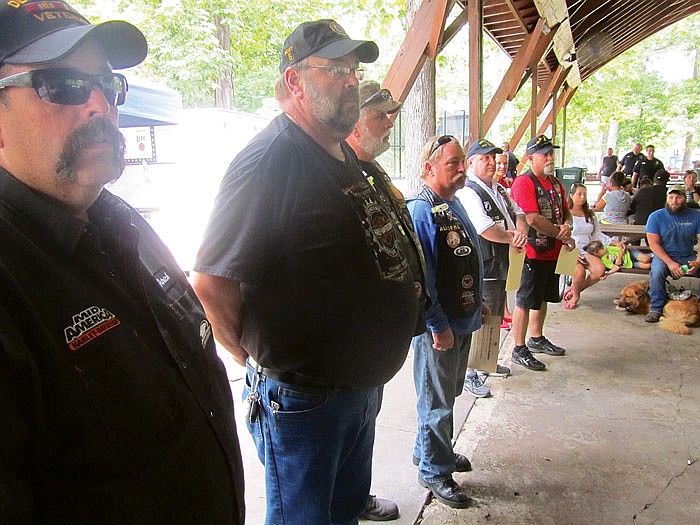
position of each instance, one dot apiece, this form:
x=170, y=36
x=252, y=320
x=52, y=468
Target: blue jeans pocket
x=294, y=400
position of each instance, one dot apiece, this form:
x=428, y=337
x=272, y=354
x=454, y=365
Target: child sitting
x=616, y=257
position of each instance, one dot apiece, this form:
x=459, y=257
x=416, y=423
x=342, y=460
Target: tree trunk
x=224, y=84
x=419, y=111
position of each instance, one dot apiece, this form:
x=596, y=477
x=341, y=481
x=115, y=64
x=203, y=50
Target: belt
x=293, y=378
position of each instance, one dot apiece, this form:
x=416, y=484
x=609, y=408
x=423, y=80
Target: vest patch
x=88, y=325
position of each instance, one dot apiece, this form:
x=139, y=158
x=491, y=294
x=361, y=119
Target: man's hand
x=564, y=232
x=519, y=240
x=675, y=270
x=443, y=341
x=485, y=311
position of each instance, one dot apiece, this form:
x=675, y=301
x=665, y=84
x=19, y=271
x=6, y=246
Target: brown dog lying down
x=634, y=298
x=678, y=315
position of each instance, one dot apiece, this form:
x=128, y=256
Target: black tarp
x=149, y=104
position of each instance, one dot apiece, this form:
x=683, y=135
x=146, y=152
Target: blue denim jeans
x=439, y=379
x=316, y=446
x=657, y=282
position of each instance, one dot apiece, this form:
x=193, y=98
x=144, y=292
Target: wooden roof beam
x=516, y=14
x=556, y=79
x=534, y=47
x=562, y=101
x=422, y=41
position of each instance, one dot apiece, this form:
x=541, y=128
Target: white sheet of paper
x=515, y=270
x=483, y=354
x=567, y=261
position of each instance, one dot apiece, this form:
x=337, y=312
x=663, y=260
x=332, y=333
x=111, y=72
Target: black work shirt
x=629, y=160
x=647, y=168
x=115, y=407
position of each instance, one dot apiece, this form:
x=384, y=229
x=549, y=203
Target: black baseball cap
x=540, y=144
x=42, y=32
x=372, y=95
x=482, y=147
x=326, y=39
x=661, y=176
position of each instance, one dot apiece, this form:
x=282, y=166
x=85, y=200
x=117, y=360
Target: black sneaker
x=526, y=359
x=545, y=346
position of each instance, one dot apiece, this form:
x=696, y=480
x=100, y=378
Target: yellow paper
x=483, y=353
x=567, y=261
x=515, y=270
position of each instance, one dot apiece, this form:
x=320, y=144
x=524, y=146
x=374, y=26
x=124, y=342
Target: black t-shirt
x=629, y=160
x=327, y=290
x=647, y=200
x=647, y=168
x=609, y=165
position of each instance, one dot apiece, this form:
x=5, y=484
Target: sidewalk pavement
x=609, y=433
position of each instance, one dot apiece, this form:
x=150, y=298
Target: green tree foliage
x=647, y=108
x=187, y=53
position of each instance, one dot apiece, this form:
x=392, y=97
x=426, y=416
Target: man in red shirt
x=542, y=198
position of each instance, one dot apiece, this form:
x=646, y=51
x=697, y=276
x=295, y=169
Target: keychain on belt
x=253, y=399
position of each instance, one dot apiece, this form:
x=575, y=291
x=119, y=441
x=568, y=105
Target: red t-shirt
x=524, y=193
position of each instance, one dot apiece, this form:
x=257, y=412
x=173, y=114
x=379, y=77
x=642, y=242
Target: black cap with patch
x=540, y=144
x=43, y=32
x=483, y=147
x=325, y=39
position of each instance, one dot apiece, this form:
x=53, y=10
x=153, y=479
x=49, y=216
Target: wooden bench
x=631, y=232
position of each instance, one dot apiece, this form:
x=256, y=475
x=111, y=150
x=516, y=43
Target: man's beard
x=679, y=209
x=330, y=112
x=548, y=169
x=372, y=145
x=96, y=130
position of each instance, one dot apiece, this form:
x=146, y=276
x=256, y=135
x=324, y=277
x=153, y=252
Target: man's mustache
x=96, y=130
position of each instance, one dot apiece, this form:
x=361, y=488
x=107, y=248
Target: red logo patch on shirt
x=89, y=325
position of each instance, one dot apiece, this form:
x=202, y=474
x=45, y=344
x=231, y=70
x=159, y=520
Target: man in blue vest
x=454, y=274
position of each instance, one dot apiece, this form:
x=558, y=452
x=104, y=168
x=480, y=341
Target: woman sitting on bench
x=589, y=270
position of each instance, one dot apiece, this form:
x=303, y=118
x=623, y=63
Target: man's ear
x=293, y=79
x=355, y=133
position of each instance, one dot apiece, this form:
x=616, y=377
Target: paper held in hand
x=483, y=353
x=566, y=263
x=515, y=269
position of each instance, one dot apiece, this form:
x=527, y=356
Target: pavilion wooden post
x=475, y=9
x=534, y=74
x=423, y=40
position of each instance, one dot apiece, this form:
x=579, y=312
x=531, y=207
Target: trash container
x=569, y=176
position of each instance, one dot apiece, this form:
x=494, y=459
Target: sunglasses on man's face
x=69, y=87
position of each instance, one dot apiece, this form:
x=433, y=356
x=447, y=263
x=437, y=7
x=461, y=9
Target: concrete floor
x=609, y=434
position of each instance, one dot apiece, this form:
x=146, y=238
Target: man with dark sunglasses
x=115, y=406
x=369, y=139
x=454, y=276
x=304, y=274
